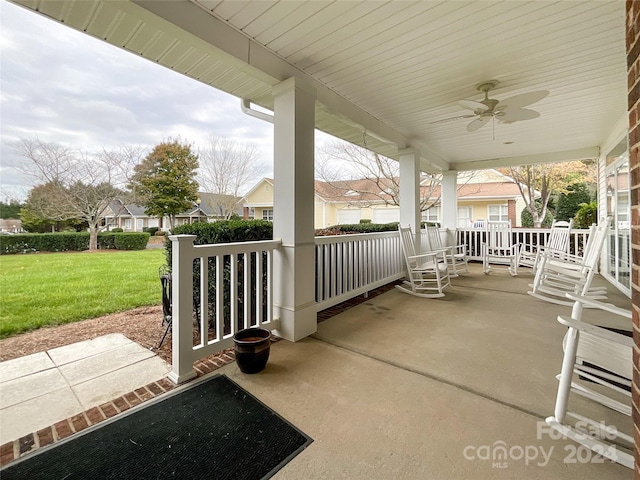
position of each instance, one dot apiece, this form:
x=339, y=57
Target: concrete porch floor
x=412, y=388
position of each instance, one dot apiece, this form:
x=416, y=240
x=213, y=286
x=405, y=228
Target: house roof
x=368, y=190
x=208, y=206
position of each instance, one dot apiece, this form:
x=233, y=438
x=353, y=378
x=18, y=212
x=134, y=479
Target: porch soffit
x=393, y=68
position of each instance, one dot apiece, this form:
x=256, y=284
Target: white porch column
x=293, y=209
x=410, y=191
x=449, y=200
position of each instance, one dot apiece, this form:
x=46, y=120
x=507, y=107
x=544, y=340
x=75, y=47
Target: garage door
x=348, y=216
x=386, y=215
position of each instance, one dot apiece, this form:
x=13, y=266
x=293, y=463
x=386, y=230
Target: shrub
x=71, y=241
x=131, y=241
x=224, y=231
x=107, y=240
x=586, y=215
x=117, y=230
x=365, y=220
x=527, y=219
x=150, y=230
x=160, y=233
x=361, y=228
x=16, y=244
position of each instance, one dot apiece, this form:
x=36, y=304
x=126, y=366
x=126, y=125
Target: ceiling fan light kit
x=505, y=111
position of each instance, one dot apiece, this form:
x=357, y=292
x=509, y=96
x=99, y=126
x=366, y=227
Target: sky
x=63, y=86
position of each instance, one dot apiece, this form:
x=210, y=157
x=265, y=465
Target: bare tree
x=367, y=177
x=75, y=184
x=226, y=168
x=543, y=180
x=124, y=159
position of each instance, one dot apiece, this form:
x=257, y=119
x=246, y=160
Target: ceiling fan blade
x=472, y=105
x=524, y=99
x=451, y=119
x=517, y=114
x=477, y=123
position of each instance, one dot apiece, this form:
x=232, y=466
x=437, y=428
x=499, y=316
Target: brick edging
x=15, y=449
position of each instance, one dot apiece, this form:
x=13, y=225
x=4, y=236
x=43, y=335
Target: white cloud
x=64, y=86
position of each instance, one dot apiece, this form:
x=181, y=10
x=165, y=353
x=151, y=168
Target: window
x=465, y=214
x=431, y=215
x=139, y=224
x=498, y=213
x=127, y=224
x=267, y=214
x=618, y=251
x=252, y=213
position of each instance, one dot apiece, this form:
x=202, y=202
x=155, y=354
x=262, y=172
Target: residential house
x=10, y=225
x=208, y=208
x=483, y=195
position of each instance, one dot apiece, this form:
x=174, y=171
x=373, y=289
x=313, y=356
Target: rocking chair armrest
x=426, y=255
x=443, y=250
x=561, y=263
x=609, y=307
x=562, y=256
x=597, y=331
x=459, y=248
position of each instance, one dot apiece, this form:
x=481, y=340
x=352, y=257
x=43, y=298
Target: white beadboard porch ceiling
x=393, y=68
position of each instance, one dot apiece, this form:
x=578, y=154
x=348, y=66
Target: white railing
x=529, y=237
x=349, y=265
x=207, y=312
x=232, y=290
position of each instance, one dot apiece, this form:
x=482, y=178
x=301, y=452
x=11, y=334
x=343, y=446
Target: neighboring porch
x=398, y=386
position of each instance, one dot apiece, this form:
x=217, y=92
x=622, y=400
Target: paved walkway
x=42, y=389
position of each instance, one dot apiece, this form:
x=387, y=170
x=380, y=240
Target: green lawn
x=55, y=288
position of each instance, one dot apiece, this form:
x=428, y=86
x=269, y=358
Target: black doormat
x=214, y=430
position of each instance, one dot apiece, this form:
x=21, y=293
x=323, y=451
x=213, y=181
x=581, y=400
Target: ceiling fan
x=505, y=111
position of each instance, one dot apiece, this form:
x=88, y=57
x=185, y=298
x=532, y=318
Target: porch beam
x=293, y=209
x=551, y=157
x=410, y=214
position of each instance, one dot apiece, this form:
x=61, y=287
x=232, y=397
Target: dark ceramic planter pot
x=252, y=347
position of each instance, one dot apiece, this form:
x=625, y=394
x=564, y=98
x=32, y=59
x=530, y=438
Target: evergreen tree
x=11, y=209
x=569, y=202
x=165, y=180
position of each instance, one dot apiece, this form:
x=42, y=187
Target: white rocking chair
x=557, y=276
x=600, y=357
x=557, y=243
x=500, y=248
x=456, y=254
x=428, y=272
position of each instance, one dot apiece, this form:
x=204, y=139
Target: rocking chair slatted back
x=456, y=255
x=557, y=276
x=500, y=247
x=428, y=272
x=557, y=243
